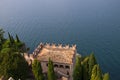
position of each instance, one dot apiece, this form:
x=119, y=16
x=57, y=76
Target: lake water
x=94, y=25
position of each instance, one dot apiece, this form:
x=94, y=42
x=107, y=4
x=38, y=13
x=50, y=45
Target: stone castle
x=63, y=58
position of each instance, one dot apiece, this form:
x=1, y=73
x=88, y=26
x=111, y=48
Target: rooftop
x=57, y=53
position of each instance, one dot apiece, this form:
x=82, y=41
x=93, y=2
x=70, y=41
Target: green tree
x=1, y=38
x=77, y=73
x=12, y=65
x=96, y=73
x=17, y=38
x=15, y=45
x=1, y=35
x=91, y=62
x=9, y=36
x=85, y=75
x=106, y=76
x=37, y=70
x=51, y=73
x=12, y=40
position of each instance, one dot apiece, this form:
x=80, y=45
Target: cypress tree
x=1, y=35
x=77, y=73
x=91, y=62
x=85, y=75
x=96, y=73
x=37, y=70
x=9, y=36
x=1, y=38
x=13, y=65
x=17, y=38
x=12, y=40
x=51, y=73
x=106, y=76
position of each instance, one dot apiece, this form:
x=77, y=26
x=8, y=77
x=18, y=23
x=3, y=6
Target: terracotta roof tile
x=56, y=54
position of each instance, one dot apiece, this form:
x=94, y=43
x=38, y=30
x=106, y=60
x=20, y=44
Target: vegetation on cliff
x=51, y=73
x=1, y=38
x=37, y=70
x=12, y=63
x=106, y=76
x=77, y=74
x=90, y=70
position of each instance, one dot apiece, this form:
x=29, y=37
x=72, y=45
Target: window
x=61, y=66
x=55, y=65
x=67, y=67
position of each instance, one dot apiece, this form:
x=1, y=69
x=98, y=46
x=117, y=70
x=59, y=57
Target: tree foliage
x=77, y=73
x=51, y=73
x=37, y=70
x=17, y=38
x=85, y=75
x=15, y=44
x=1, y=38
x=96, y=73
x=106, y=76
x=11, y=39
x=12, y=65
x=91, y=62
x=90, y=69
x=1, y=35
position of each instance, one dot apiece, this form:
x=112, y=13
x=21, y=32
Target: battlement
x=63, y=57
x=53, y=46
x=59, y=46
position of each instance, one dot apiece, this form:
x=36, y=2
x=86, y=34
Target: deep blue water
x=94, y=25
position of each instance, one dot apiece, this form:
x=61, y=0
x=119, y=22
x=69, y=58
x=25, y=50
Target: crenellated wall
x=63, y=69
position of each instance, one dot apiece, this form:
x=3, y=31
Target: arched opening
x=55, y=65
x=67, y=67
x=61, y=66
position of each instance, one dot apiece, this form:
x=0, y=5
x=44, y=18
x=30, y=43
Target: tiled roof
x=57, y=54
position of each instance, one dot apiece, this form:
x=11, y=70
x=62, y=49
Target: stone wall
x=60, y=68
x=64, y=69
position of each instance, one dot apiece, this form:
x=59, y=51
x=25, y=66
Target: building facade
x=63, y=58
